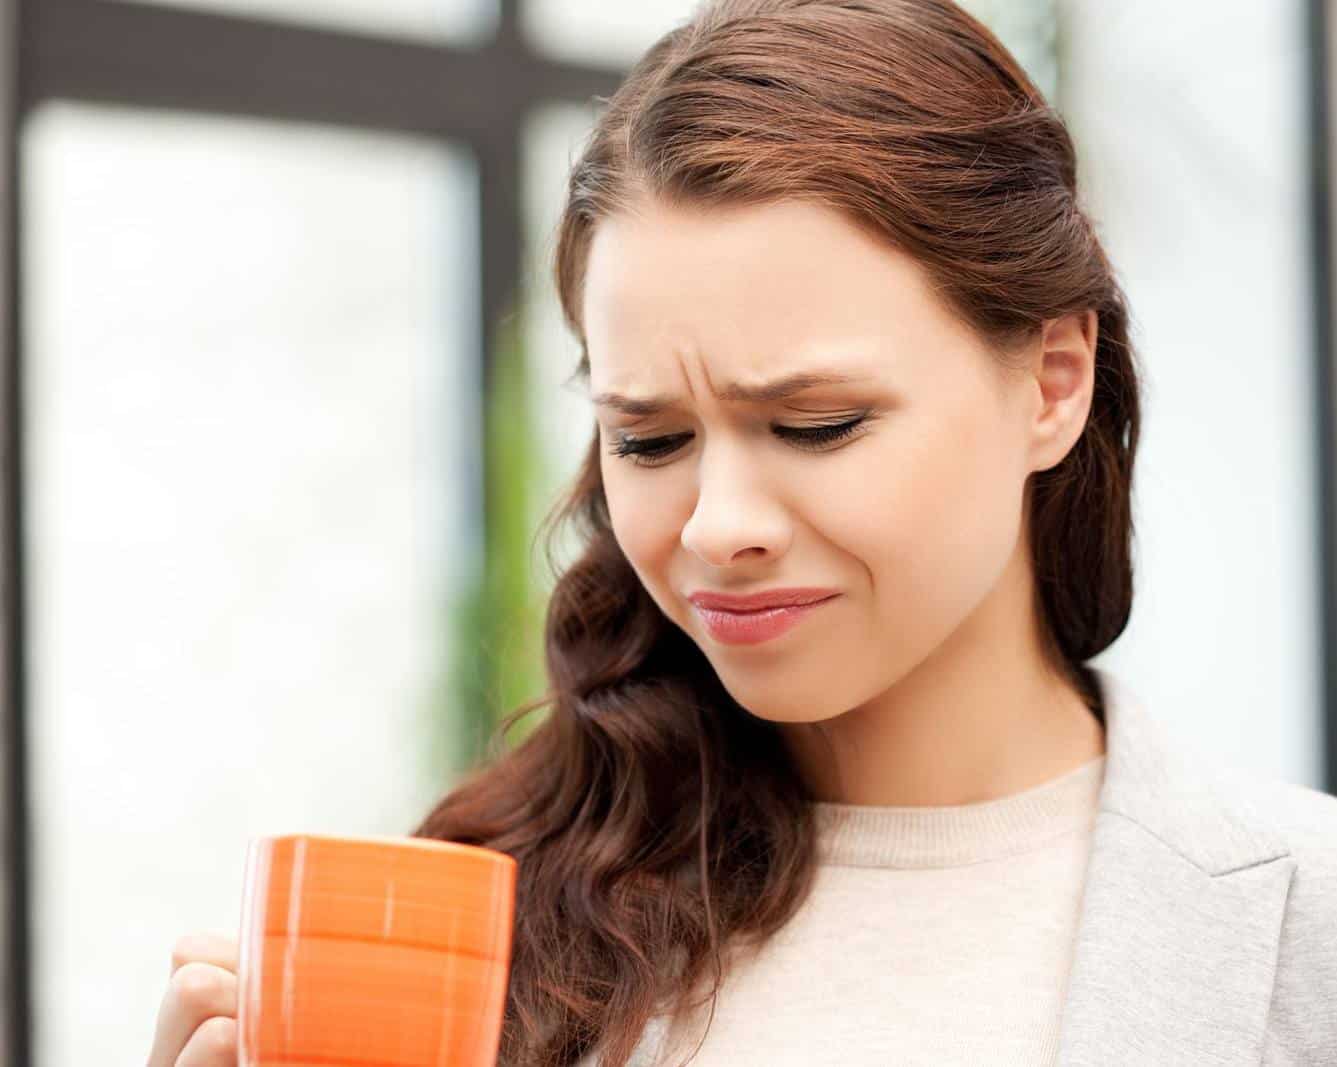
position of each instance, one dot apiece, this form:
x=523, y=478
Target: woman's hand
x=197, y=1022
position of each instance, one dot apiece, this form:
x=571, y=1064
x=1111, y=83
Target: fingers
x=213, y=1044
x=196, y=992
x=206, y=947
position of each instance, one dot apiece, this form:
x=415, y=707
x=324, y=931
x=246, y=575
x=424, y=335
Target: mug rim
x=429, y=844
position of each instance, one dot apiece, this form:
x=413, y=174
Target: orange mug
x=387, y=950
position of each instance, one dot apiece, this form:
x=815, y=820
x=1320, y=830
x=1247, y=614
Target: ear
x=1064, y=370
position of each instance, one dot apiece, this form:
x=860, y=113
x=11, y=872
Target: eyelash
x=809, y=437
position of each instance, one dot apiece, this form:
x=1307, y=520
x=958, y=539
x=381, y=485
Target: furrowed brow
x=735, y=393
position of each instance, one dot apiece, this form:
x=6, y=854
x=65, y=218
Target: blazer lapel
x=1181, y=911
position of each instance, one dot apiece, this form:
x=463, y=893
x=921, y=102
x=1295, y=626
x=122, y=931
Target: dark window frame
x=1320, y=32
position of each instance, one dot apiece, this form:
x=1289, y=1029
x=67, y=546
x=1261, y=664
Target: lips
x=764, y=600
x=751, y=618
x=760, y=624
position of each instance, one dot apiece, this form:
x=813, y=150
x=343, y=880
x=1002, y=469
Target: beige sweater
x=934, y=935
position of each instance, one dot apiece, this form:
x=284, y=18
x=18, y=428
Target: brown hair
x=654, y=819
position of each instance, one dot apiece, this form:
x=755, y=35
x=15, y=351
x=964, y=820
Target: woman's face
x=911, y=512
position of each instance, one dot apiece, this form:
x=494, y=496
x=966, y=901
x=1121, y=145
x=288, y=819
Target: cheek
x=644, y=520
x=936, y=521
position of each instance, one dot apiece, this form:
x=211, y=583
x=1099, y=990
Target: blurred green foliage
x=494, y=627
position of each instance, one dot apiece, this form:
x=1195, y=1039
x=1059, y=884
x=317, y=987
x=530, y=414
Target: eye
x=644, y=452
x=817, y=436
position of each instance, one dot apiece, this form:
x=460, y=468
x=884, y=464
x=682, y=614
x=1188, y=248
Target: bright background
x=254, y=416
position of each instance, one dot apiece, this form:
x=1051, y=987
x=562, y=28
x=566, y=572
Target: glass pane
x=252, y=429
x=456, y=21
x=1198, y=180
x=1027, y=29
x=595, y=31
x=565, y=419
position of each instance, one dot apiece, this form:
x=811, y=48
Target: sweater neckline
x=956, y=835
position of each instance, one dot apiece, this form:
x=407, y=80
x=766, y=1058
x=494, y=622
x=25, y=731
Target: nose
x=735, y=517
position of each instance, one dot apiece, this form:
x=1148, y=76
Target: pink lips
x=746, y=620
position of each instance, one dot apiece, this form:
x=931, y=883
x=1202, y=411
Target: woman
x=852, y=344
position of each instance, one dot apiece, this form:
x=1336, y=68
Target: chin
x=781, y=703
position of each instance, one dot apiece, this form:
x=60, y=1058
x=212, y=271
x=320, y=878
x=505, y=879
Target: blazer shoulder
x=1303, y=817
x=1302, y=1020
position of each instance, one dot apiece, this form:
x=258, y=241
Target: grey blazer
x=1208, y=930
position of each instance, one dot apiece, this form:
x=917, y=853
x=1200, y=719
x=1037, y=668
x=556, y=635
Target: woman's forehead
x=767, y=299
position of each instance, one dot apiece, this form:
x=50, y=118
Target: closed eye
x=645, y=452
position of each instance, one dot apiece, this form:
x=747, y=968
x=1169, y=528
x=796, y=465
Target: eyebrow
x=778, y=389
